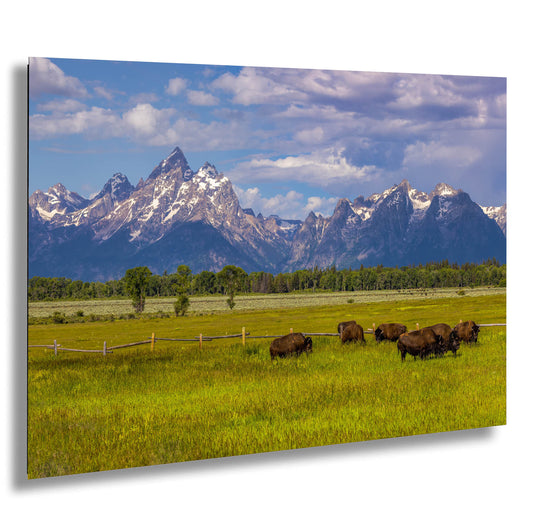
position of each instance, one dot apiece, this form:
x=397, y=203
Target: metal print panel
x=235, y=260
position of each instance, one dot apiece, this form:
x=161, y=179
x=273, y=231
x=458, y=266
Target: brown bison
x=352, y=332
x=449, y=341
x=390, y=331
x=295, y=343
x=466, y=331
x=420, y=343
x=343, y=325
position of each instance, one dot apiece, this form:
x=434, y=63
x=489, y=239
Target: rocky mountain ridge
x=181, y=216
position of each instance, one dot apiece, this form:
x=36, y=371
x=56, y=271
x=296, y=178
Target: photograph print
x=228, y=260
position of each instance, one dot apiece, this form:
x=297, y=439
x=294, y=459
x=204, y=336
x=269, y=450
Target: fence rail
x=200, y=339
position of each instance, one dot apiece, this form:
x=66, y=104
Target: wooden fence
x=200, y=339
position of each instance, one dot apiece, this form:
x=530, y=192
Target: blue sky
x=290, y=140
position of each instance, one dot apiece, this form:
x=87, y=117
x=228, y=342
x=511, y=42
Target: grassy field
x=217, y=303
x=135, y=407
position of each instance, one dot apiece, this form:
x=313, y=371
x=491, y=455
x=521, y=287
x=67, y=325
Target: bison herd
x=432, y=340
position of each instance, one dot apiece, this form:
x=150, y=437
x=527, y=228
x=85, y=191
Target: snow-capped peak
x=208, y=170
x=498, y=214
x=174, y=161
x=58, y=200
x=444, y=190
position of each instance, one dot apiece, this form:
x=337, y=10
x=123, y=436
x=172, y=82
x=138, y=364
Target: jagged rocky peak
x=444, y=190
x=249, y=211
x=58, y=200
x=175, y=161
x=208, y=170
x=404, y=185
x=343, y=208
x=118, y=188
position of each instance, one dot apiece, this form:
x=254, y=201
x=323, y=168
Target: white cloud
x=47, y=78
x=103, y=92
x=141, y=122
x=201, y=98
x=198, y=136
x=96, y=122
x=320, y=168
x=253, y=86
x=310, y=136
x=292, y=205
x=176, y=86
x=145, y=120
x=63, y=106
x=422, y=154
x=321, y=205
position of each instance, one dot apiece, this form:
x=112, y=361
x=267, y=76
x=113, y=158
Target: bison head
x=308, y=343
x=379, y=335
x=475, y=332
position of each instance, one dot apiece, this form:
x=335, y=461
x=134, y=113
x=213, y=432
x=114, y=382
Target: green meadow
x=137, y=407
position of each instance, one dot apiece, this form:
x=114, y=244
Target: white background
x=485, y=471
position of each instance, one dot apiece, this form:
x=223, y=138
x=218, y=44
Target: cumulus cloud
x=292, y=205
x=201, y=98
x=141, y=122
x=310, y=136
x=96, y=122
x=254, y=86
x=63, y=106
x=145, y=120
x=422, y=154
x=176, y=86
x=321, y=205
x=46, y=77
x=324, y=168
x=285, y=86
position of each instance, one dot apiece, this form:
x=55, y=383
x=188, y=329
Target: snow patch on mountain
x=498, y=214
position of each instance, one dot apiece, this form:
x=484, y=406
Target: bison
x=449, y=340
x=421, y=343
x=466, y=331
x=390, y=331
x=292, y=343
x=343, y=325
x=352, y=332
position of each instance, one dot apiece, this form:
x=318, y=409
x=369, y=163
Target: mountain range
x=180, y=216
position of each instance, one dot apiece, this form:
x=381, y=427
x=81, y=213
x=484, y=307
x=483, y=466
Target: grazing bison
x=352, y=331
x=420, y=343
x=390, y=331
x=343, y=325
x=466, y=331
x=449, y=341
x=289, y=344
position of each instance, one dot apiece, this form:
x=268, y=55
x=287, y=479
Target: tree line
x=232, y=280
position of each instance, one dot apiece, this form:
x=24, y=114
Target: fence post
x=374, y=327
x=417, y=326
x=290, y=330
x=200, y=341
x=105, y=348
x=153, y=341
x=55, y=348
x=243, y=336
